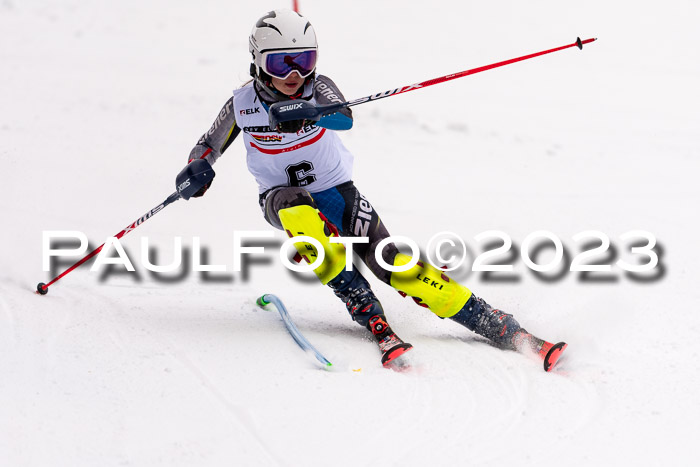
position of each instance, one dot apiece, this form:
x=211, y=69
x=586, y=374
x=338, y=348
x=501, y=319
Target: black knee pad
x=283, y=197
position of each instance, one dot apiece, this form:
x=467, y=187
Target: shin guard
x=430, y=287
x=308, y=221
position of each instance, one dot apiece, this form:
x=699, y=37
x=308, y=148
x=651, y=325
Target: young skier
x=304, y=177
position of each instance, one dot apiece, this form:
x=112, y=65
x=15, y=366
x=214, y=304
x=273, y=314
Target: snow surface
x=101, y=103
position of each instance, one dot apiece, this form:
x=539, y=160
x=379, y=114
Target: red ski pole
x=579, y=43
x=43, y=289
x=303, y=110
x=195, y=176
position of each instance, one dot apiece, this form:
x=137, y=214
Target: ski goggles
x=282, y=64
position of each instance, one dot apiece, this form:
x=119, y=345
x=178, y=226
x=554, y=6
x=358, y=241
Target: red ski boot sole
x=553, y=354
x=394, y=353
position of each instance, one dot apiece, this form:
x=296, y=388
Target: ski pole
x=43, y=289
x=303, y=110
x=579, y=43
x=193, y=177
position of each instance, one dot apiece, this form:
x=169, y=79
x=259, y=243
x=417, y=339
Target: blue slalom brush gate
x=296, y=334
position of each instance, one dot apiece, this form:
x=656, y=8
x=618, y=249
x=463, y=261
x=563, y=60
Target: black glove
x=291, y=126
x=202, y=190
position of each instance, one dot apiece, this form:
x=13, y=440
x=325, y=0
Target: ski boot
x=505, y=332
x=363, y=306
x=390, y=345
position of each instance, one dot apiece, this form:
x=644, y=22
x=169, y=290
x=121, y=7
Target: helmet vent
x=263, y=24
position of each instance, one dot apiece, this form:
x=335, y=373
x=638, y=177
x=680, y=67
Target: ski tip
x=42, y=289
x=552, y=357
x=390, y=359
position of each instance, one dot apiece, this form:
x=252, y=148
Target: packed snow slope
x=101, y=103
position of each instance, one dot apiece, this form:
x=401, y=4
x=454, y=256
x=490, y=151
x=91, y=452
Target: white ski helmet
x=282, y=42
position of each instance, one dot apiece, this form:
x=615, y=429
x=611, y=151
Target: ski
x=548, y=352
x=394, y=358
x=301, y=341
x=551, y=353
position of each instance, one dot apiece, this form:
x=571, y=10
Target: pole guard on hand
x=193, y=178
